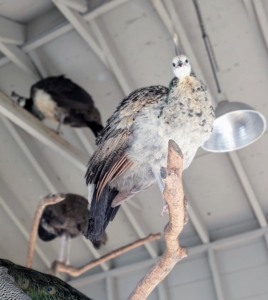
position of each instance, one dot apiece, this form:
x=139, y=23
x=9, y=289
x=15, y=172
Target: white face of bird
x=181, y=66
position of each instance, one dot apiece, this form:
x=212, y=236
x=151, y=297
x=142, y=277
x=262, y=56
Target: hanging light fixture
x=236, y=124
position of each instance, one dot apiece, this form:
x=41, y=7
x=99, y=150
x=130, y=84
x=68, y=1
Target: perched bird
x=66, y=219
x=61, y=100
x=29, y=284
x=133, y=147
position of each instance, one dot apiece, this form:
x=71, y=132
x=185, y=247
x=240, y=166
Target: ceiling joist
x=19, y=58
x=81, y=27
x=78, y=5
x=11, y=32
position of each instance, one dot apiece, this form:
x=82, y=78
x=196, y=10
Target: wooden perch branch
x=58, y=266
x=174, y=196
x=48, y=200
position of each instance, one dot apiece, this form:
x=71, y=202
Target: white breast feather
x=45, y=104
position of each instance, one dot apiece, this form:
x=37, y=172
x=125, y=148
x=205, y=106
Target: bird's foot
x=58, y=132
x=53, y=269
x=66, y=262
x=165, y=209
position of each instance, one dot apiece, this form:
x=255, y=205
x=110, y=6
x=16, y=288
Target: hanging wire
x=209, y=49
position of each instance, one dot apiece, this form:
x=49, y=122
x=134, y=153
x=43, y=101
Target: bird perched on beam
x=133, y=147
x=66, y=219
x=61, y=100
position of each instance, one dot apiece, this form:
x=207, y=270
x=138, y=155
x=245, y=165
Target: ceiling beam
x=64, y=28
x=79, y=5
x=112, y=56
x=19, y=58
x=11, y=32
x=34, y=163
x=162, y=290
x=196, y=218
x=111, y=293
x=140, y=227
x=262, y=19
x=215, y=275
x=244, y=180
x=82, y=28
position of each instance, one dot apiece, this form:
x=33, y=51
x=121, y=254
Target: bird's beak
x=180, y=64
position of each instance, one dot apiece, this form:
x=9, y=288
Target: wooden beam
x=11, y=32
x=19, y=58
x=34, y=127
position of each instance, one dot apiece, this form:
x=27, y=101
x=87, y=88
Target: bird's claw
x=165, y=209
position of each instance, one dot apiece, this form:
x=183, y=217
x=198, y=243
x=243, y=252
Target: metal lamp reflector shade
x=236, y=126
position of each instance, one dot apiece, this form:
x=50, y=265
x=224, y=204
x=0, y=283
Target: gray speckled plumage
x=133, y=146
x=9, y=290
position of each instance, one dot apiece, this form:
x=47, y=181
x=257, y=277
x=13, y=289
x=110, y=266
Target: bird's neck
x=176, y=86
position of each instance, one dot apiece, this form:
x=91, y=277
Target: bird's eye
x=186, y=61
x=173, y=65
x=50, y=289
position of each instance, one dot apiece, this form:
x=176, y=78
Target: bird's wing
x=110, y=160
x=65, y=93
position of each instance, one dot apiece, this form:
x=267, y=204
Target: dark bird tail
x=101, y=213
x=102, y=241
x=95, y=127
x=45, y=235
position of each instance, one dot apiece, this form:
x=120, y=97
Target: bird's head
x=20, y=100
x=181, y=66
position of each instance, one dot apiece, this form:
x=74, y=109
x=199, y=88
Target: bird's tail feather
x=101, y=213
x=95, y=127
